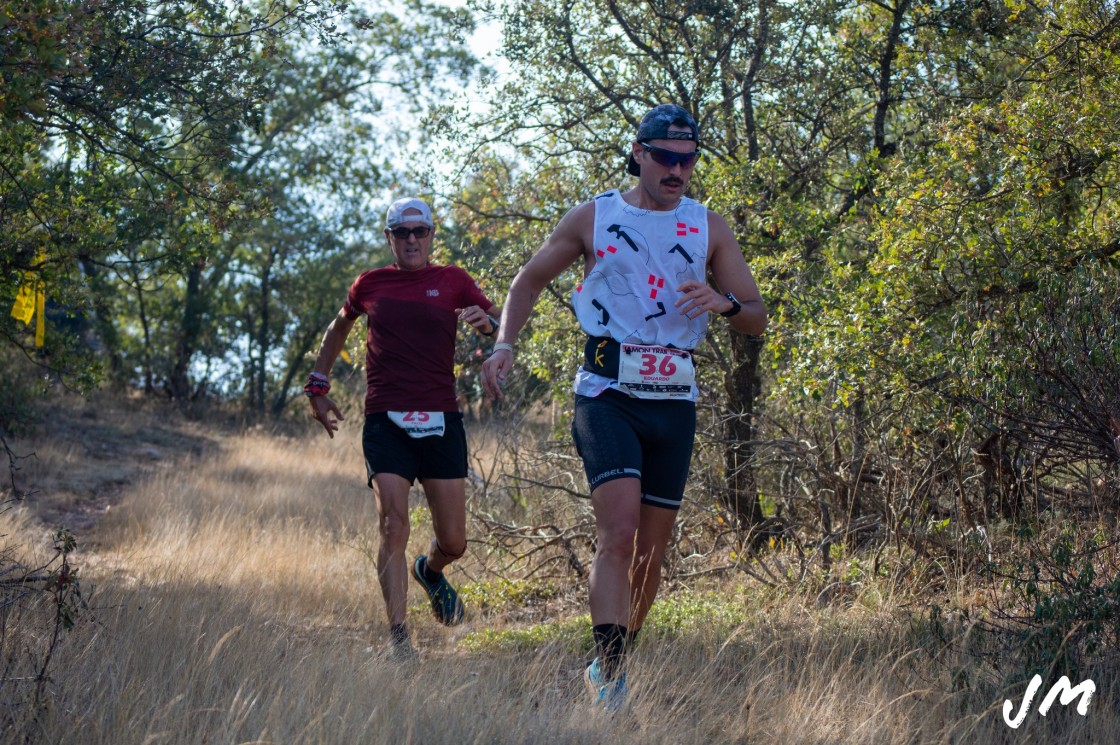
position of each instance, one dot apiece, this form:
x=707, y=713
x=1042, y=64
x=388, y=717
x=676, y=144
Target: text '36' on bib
x=655, y=372
x=418, y=423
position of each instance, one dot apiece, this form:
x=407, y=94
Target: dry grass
x=233, y=600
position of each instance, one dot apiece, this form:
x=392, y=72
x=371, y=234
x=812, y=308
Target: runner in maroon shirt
x=413, y=426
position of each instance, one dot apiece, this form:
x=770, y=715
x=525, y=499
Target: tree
x=114, y=115
x=223, y=152
x=802, y=109
x=991, y=288
x=324, y=147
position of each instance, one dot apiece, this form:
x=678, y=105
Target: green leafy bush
x=1069, y=592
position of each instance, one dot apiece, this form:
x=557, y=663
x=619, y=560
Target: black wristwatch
x=735, y=307
x=493, y=326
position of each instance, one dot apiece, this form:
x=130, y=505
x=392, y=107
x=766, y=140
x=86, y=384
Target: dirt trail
x=75, y=461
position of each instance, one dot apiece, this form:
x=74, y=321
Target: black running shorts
x=649, y=439
x=389, y=449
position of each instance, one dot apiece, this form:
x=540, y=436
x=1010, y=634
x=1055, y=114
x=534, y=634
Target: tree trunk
x=145, y=327
x=260, y=372
x=103, y=321
x=179, y=382
x=742, y=387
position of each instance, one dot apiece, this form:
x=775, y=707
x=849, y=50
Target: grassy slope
x=233, y=599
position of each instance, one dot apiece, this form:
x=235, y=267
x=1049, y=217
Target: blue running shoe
x=610, y=694
x=446, y=606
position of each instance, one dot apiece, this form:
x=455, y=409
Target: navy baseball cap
x=655, y=126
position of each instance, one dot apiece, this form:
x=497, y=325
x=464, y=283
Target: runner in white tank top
x=644, y=304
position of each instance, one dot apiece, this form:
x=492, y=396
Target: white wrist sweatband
x=502, y=345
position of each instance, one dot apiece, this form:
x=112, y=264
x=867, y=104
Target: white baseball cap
x=396, y=214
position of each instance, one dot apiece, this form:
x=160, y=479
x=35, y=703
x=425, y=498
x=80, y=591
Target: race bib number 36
x=656, y=372
x=419, y=423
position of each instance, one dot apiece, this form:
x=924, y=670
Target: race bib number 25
x=656, y=372
x=419, y=423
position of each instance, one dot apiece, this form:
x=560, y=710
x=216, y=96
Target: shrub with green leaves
x=1070, y=592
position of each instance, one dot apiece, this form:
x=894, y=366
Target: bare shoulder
x=569, y=241
x=579, y=221
x=729, y=267
x=573, y=235
x=718, y=227
x=721, y=238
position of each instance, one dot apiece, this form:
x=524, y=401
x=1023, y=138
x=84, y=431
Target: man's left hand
x=477, y=318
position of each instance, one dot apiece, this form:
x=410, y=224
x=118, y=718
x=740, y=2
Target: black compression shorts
x=389, y=449
x=649, y=439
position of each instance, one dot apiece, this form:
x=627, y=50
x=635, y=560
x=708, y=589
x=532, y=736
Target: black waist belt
x=600, y=356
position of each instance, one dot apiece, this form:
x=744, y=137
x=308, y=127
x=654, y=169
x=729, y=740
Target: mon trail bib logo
x=1062, y=688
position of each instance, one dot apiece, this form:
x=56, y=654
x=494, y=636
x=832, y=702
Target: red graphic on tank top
x=685, y=229
x=601, y=253
x=655, y=284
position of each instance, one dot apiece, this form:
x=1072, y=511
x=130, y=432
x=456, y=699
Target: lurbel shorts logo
x=433, y=293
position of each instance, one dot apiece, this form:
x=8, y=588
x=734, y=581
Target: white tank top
x=641, y=257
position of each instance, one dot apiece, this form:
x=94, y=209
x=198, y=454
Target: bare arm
x=561, y=250
x=322, y=407
x=731, y=274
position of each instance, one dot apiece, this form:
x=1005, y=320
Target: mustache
x=672, y=181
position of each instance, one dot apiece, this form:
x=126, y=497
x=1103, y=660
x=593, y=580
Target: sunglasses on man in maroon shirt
x=401, y=234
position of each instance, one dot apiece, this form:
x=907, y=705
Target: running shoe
x=446, y=606
x=401, y=651
x=609, y=694
x=400, y=647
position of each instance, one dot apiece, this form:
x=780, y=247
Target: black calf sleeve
x=610, y=644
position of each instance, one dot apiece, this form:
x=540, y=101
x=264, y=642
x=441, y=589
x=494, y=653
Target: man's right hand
x=495, y=370
x=322, y=408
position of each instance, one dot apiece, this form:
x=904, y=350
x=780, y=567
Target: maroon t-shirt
x=410, y=347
